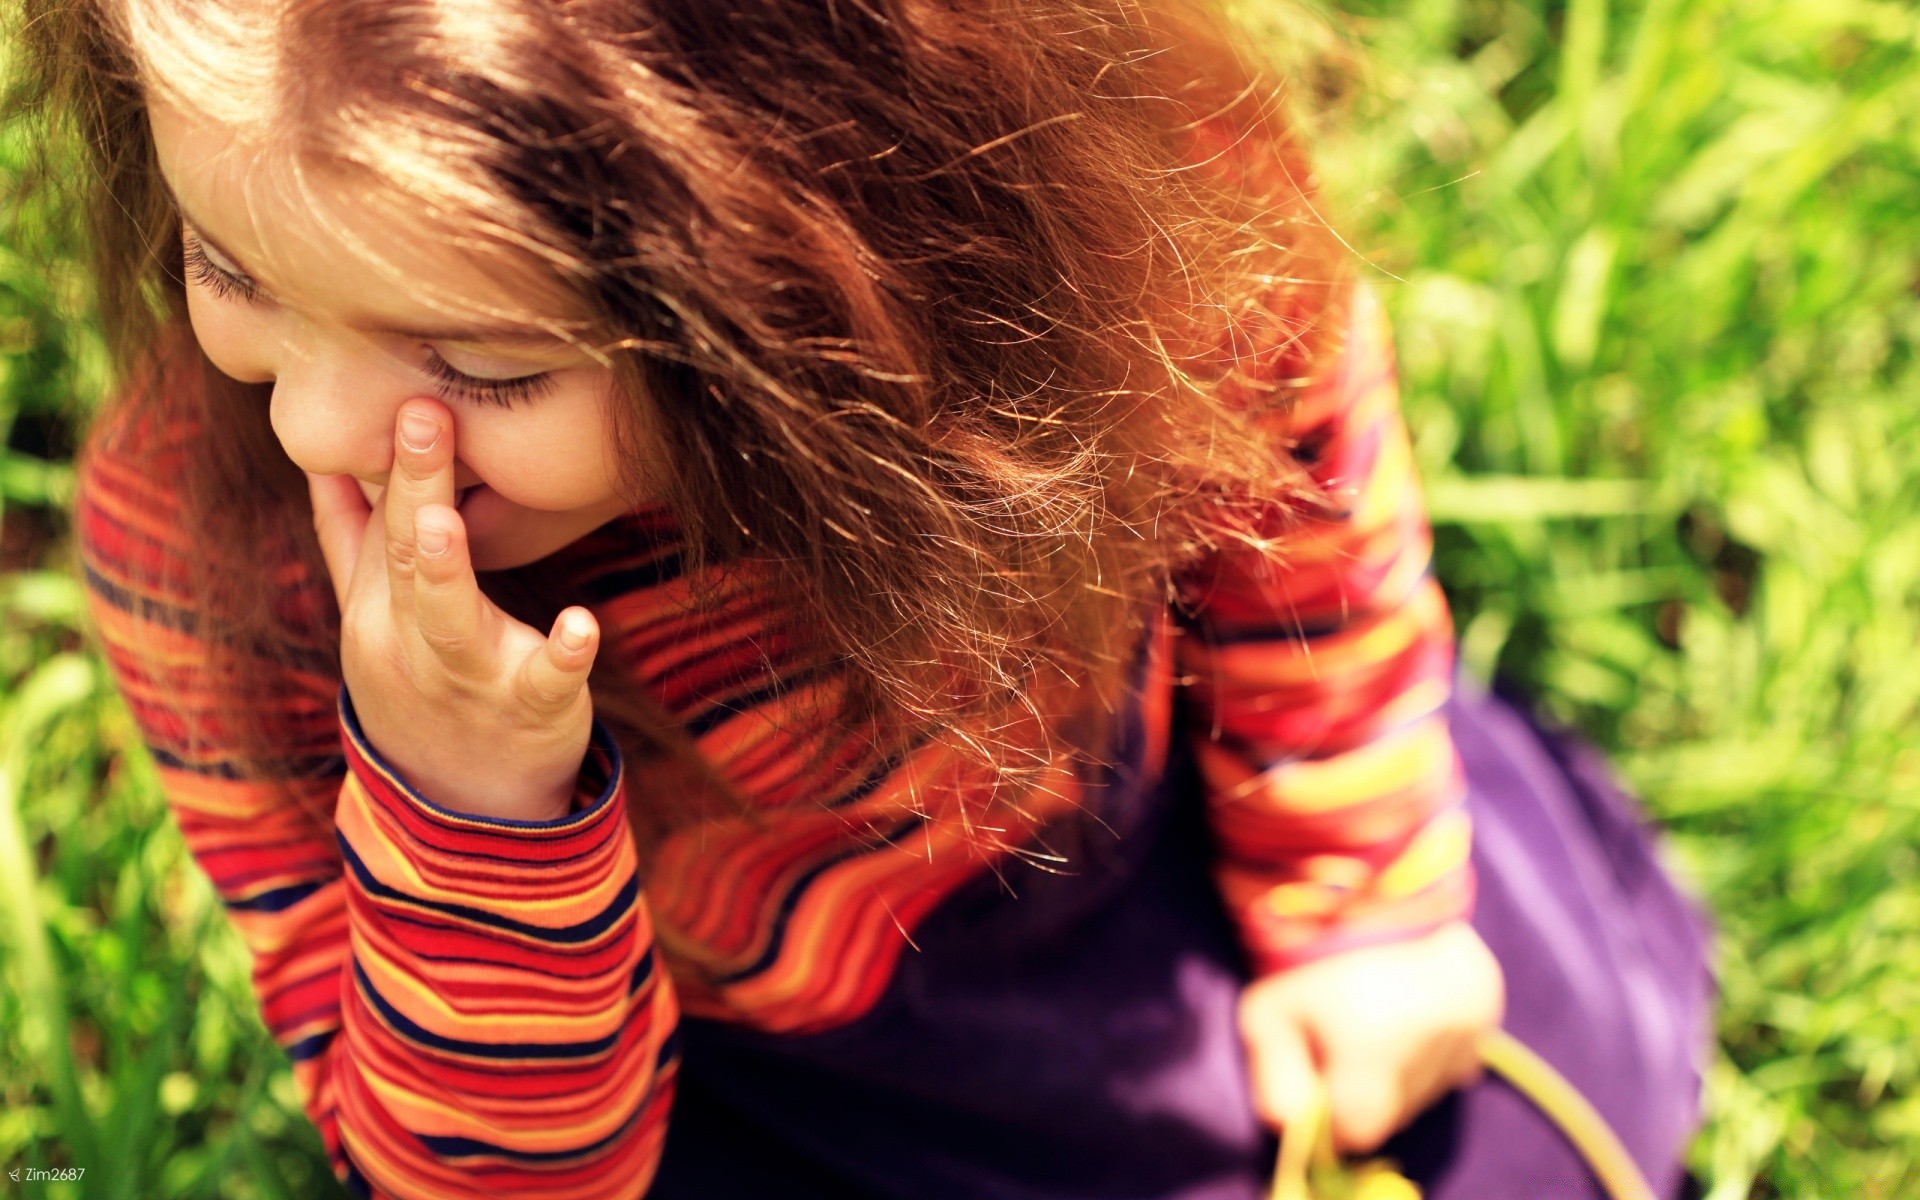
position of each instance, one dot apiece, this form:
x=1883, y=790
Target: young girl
x=781, y=598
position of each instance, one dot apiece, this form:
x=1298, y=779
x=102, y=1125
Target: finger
x=340, y=515
x=1459, y=1060
x=422, y=474
x=1285, y=1078
x=1364, y=1103
x=1495, y=996
x=553, y=676
x=1468, y=1067
x=1448, y=1062
x=448, y=608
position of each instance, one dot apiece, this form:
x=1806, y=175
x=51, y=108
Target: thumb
x=340, y=515
x=552, y=676
x=1365, y=1104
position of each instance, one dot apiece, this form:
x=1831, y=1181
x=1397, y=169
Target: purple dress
x=1072, y=1036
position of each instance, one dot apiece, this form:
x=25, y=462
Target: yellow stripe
x=399, y=982
x=359, y=823
x=1380, y=768
x=1435, y=852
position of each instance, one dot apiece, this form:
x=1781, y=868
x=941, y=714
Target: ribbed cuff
x=599, y=781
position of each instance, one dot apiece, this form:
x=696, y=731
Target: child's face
x=344, y=343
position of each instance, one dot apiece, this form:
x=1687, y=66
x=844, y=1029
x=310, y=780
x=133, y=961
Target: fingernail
x=433, y=539
x=418, y=431
x=574, y=633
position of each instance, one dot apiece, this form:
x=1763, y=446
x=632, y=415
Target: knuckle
x=402, y=555
x=1471, y=1071
x=1363, y=1122
x=545, y=690
x=449, y=643
x=1364, y=1136
x=361, y=624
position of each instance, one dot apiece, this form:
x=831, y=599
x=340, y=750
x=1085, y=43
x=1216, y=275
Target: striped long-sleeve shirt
x=480, y=1007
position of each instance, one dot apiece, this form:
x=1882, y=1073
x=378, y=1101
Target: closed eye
x=216, y=279
x=451, y=381
x=454, y=382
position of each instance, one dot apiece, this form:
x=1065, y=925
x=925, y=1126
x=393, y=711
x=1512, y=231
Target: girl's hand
x=1388, y=1028
x=478, y=712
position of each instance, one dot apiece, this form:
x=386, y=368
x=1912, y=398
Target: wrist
x=512, y=803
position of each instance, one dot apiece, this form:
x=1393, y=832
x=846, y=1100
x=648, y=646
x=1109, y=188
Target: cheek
x=555, y=461
x=233, y=341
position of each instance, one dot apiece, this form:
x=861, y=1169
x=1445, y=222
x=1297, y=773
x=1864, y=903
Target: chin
x=489, y=558
x=507, y=550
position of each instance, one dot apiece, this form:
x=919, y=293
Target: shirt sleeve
x=472, y=1007
x=1315, y=680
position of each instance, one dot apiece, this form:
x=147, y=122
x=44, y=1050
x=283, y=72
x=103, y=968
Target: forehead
x=331, y=238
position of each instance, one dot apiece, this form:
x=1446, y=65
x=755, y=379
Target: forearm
x=506, y=1026
x=1317, y=680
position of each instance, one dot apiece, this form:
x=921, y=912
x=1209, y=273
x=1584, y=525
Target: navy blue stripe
x=642, y=972
x=705, y=722
x=277, y=899
x=546, y=864
x=586, y=930
x=791, y=900
x=1127, y=746
x=879, y=774
x=310, y=1047
x=606, y=762
x=314, y=767
x=1292, y=630
x=555, y=958
x=669, y=1050
x=461, y=1147
x=144, y=607
x=185, y=620
x=611, y=585
x=500, y=1050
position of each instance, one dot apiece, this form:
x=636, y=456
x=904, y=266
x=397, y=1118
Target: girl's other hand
x=1389, y=1029
x=477, y=711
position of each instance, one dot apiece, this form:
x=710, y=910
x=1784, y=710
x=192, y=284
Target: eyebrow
x=497, y=335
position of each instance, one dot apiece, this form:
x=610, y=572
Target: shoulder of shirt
x=1359, y=372
x=131, y=464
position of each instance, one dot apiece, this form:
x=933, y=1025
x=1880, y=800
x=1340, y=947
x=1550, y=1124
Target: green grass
x=1654, y=270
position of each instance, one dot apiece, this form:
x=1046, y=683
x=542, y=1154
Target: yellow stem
x=1530, y=1075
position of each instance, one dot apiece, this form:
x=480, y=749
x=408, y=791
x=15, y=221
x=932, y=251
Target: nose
x=344, y=425
x=334, y=420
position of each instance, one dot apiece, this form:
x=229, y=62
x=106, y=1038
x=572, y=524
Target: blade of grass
x=60, y=683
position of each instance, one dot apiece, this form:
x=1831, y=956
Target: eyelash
x=200, y=270
x=452, y=382
x=504, y=392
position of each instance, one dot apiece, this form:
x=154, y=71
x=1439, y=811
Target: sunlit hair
x=972, y=320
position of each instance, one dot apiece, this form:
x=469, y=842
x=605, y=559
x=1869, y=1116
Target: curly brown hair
x=972, y=320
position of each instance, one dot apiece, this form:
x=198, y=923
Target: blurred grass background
x=1655, y=271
